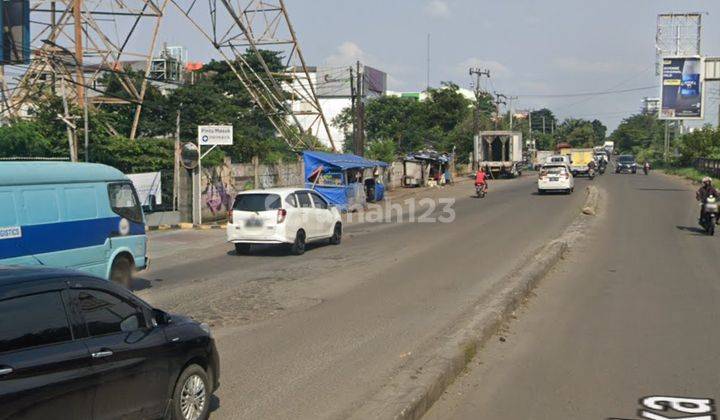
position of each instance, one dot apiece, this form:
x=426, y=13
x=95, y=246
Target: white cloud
x=437, y=9
x=348, y=53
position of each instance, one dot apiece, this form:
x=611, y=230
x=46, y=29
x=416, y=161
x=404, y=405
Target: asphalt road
x=631, y=313
x=317, y=335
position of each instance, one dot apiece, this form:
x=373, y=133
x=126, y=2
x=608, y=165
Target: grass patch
x=688, y=173
x=470, y=351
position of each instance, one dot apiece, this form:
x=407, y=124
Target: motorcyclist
x=705, y=191
x=646, y=167
x=602, y=164
x=481, y=179
x=592, y=166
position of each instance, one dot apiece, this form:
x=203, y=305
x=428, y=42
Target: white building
x=334, y=92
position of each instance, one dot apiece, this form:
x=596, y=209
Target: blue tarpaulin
x=333, y=180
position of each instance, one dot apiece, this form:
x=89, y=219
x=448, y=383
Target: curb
x=412, y=392
x=591, y=201
x=185, y=226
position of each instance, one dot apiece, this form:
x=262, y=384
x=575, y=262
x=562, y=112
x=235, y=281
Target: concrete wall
x=262, y=176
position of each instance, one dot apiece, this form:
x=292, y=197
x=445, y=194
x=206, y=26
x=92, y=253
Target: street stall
x=345, y=180
x=425, y=168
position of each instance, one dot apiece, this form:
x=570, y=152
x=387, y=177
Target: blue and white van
x=72, y=215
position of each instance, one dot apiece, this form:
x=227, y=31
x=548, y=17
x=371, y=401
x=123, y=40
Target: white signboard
x=147, y=184
x=215, y=135
x=11, y=232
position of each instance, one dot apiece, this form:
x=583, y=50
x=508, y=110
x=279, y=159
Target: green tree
x=703, y=143
x=637, y=133
x=383, y=150
x=26, y=139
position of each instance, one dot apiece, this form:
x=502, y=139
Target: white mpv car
x=556, y=177
x=282, y=216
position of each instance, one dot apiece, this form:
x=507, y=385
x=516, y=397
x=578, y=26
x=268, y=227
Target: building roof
x=29, y=173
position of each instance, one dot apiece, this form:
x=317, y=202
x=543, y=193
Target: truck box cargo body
x=579, y=160
x=500, y=151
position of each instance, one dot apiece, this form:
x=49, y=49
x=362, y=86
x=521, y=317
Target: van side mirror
x=151, y=203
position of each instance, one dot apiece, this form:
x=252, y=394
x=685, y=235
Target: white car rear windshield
x=257, y=202
x=554, y=170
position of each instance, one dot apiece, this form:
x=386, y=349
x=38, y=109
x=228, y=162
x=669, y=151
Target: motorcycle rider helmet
x=707, y=180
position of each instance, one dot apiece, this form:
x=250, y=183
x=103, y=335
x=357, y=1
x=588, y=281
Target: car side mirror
x=161, y=317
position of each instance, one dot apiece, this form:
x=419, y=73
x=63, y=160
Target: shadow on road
x=214, y=403
x=140, y=283
x=692, y=229
x=276, y=251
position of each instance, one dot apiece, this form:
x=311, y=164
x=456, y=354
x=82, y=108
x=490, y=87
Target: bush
x=383, y=150
x=703, y=143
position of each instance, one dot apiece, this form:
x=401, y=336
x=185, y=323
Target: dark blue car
x=78, y=347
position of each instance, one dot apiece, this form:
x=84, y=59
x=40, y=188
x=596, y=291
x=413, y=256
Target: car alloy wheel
x=193, y=398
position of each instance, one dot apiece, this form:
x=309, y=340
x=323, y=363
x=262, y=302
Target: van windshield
x=257, y=202
x=124, y=202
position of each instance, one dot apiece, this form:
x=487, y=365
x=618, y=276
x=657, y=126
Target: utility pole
x=666, y=151
x=478, y=73
x=510, y=100
x=428, y=62
x=359, y=131
x=531, y=144
x=498, y=102
x=543, y=124
x=77, y=17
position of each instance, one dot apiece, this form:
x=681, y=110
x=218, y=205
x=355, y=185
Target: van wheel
x=191, y=397
x=336, y=238
x=298, y=247
x=242, y=249
x=121, y=271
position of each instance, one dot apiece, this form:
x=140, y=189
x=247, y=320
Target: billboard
x=682, y=96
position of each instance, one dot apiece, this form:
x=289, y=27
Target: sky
x=531, y=47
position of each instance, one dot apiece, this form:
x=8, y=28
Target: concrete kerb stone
x=185, y=226
x=591, y=201
x=413, y=391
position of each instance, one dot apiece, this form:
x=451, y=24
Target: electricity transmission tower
x=77, y=43
x=234, y=27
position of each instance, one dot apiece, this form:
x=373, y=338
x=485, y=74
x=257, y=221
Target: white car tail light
x=282, y=213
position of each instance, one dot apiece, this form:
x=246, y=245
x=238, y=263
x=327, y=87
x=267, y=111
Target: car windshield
x=257, y=202
x=626, y=159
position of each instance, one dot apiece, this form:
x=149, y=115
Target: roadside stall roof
x=27, y=173
x=342, y=161
x=428, y=155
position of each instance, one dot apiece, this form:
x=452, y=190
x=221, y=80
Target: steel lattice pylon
x=251, y=25
x=75, y=56
x=75, y=43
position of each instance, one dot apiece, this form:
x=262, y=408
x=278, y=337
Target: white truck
x=499, y=151
x=609, y=147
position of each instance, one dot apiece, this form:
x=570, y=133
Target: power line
x=599, y=93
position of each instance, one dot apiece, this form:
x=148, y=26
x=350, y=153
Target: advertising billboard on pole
x=682, y=96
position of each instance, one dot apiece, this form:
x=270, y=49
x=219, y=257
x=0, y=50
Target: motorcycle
x=601, y=170
x=481, y=191
x=710, y=215
x=646, y=170
x=591, y=173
